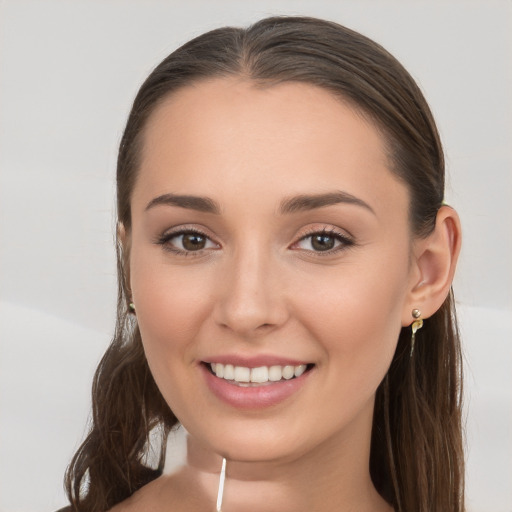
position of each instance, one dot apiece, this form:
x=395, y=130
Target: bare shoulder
x=147, y=498
x=167, y=493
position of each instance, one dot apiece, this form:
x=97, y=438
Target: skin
x=260, y=287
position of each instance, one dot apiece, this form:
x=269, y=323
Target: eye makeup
x=324, y=242
x=191, y=241
x=194, y=242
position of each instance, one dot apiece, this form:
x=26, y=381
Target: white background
x=68, y=74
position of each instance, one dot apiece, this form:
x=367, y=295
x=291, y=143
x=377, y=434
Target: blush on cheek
x=171, y=302
x=359, y=329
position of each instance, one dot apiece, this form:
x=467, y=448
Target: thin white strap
x=221, y=485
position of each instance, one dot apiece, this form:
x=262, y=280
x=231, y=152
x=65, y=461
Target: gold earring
x=416, y=326
x=132, y=307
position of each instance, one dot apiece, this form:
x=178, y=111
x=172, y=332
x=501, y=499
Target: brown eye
x=186, y=242
x=193, y=241
x=322, y=242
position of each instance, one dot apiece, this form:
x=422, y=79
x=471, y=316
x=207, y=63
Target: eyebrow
x=201, y=204
x=294, y=204
x=310, y=202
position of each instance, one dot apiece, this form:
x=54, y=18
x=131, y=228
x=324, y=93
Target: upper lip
x=254, y=361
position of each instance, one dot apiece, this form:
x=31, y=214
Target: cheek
x=172, y=304
x=356, y=316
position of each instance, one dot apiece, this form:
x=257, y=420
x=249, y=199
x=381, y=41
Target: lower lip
x=253, y=397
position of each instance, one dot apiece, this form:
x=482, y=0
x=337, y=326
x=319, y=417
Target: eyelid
x=176, y=231
x=346, y=240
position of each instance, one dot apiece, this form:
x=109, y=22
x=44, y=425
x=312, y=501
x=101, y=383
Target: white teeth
x=299, y=370
x=242, y=374
x=288, y=372
x=259, y=375
x=275, y=373
x=229, y=371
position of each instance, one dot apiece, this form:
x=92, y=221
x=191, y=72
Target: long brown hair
x=416, y=459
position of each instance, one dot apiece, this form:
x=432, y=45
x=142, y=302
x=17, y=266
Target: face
x=270, y=243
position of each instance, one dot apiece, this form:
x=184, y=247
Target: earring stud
x=416, y=326
x=131, y=305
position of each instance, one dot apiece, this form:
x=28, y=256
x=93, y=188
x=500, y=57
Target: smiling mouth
x=263, y=375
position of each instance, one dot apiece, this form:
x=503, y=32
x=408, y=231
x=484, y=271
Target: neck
x=333, y=477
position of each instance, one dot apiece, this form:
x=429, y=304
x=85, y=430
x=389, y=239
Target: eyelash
x=345, y=241
x=165, y=238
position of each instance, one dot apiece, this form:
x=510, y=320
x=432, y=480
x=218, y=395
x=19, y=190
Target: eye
x=324, y=241
x=186, y=241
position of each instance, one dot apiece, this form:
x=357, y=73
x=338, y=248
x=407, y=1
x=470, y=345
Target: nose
x=252, y=298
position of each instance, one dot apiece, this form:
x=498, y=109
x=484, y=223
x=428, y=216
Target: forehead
x=232, y=134
x=223, y=110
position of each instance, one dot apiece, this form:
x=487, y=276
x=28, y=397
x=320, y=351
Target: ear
x=433, y=267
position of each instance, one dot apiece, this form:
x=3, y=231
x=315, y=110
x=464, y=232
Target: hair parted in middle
x=416, y=459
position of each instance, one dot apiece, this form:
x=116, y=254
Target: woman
x=285, y=266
